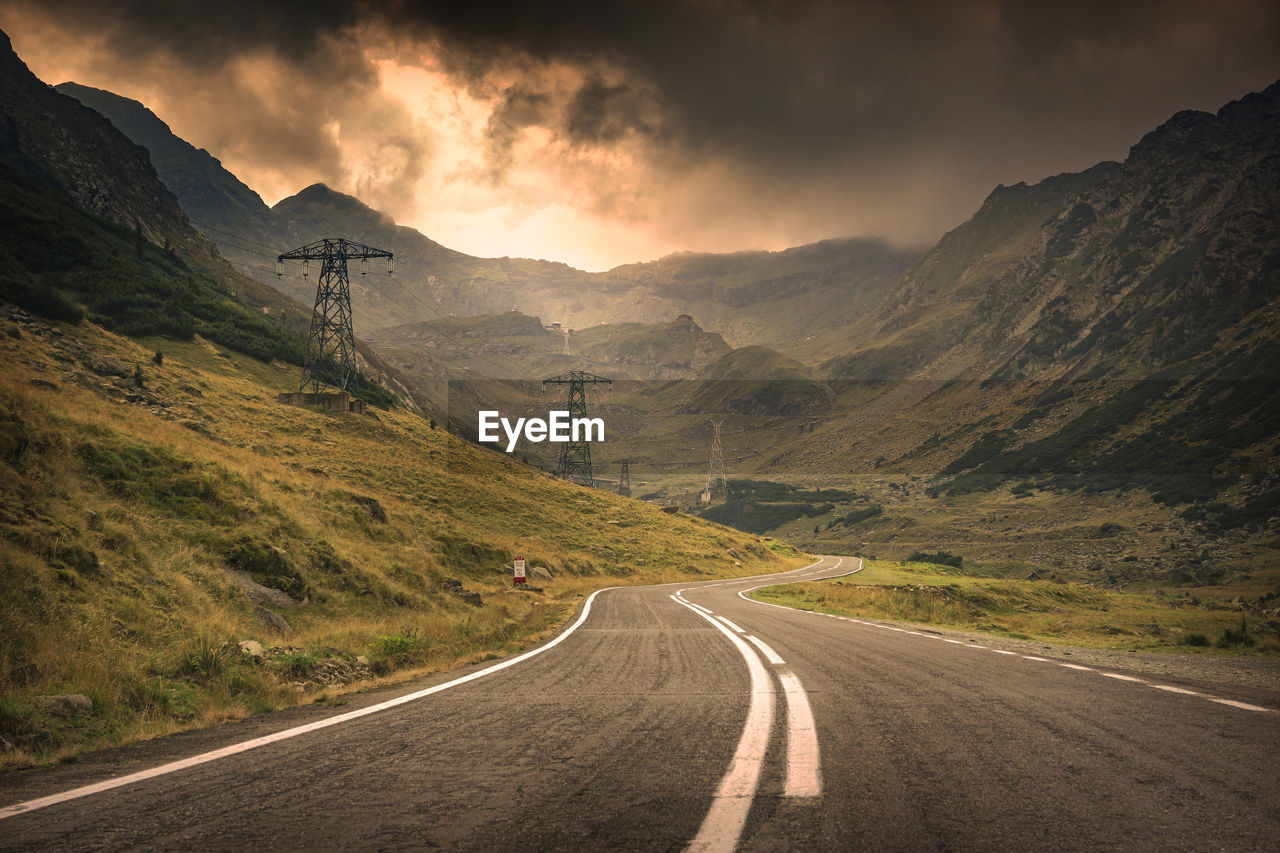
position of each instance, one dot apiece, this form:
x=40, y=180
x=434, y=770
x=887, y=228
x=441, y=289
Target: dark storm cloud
x=819, y=104
x=783, y=82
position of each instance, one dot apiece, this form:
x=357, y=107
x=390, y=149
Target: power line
x=511, y=367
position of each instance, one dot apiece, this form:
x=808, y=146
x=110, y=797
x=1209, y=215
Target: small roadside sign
x=519, y=570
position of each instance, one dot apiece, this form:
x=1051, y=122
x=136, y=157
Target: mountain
x=1130, y=268
x=91, y=230
x=83, y=154
x=787, y=300
x=209, y=194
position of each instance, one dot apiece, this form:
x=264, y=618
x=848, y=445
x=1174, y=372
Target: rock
x=472, y=598
x=273, y=621
x=670, y=510
x=71, y=704
x=733, y=552
x=362, y=660
x=372, y=507
x=252, y=648
x=1270, y=628
x=259, y=593
x=541, y=572
x=105, y=366
x=43, y=383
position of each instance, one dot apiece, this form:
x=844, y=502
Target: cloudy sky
x=599, y=133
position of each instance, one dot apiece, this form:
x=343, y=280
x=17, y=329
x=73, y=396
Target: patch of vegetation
x=54, y=254
x=160, y=478
x=268, y=565
x=939, y=558
x=465, y=555
x=392, y=651
x=1236, y=637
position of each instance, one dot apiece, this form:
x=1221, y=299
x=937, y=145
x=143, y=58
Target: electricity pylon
x=624, y=479
x=575, y=456
x=715, y=470
x=330, y=359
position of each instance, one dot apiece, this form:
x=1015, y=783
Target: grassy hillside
x=58, y=258
x=146, y=530
x=1052, y=610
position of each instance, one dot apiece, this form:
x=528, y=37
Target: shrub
x=1232, y=638
x=941, y=558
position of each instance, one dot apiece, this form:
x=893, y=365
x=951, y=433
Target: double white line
x=724, y=823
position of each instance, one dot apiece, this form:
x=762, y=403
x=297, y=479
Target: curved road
x=687, y=715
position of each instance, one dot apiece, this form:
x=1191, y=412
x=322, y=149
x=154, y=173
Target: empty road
x=688, y=716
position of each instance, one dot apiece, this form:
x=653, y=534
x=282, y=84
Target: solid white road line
x=769, y=654
x=733, y=627
x=245, y=746
x=803, y=773
x=723, y=825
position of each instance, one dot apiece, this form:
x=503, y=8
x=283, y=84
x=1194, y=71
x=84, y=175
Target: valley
x=1073, y=391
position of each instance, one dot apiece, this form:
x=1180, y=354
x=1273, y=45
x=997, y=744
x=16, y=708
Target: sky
x=601, y=133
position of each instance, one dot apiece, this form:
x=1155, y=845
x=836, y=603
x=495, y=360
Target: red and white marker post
x=518, y=572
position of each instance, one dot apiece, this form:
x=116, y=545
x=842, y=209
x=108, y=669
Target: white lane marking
x=1120, y=677
x=1242, y=705
x=723, y=825
x=1033, y=657
x=698, y=607
x=769, y=654
x=245, y=746
x=746, y=593
x=735, y=628
x=804, y=777
x=1171, y=689
x=1076, y=666
x=1003, y=652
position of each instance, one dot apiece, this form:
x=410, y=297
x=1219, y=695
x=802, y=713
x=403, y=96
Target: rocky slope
x=83, y=153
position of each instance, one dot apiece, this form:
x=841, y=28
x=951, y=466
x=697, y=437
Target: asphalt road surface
x=687, y=716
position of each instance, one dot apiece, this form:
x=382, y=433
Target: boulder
x=540, y=572
x=105, y=366
x=273, y=621
x=252, y=648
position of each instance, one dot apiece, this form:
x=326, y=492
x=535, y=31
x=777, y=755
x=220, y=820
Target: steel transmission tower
x=575, y=456
x=715, y=470
x=331, y=346
x=624, y=479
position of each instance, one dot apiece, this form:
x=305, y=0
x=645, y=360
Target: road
x=688, y=716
